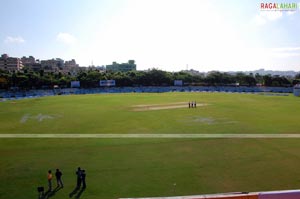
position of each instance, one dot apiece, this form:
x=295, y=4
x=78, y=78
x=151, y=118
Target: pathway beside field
x=231, y=136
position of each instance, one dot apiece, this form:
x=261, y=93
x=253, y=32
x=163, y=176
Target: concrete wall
x=68, y=91
x=297, y=91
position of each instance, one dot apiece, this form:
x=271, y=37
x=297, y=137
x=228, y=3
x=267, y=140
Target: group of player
x=80, y=178
x=58, y=174
x=193, y=104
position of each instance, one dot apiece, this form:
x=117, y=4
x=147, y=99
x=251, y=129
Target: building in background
x=71, y=64
x=26, y=61
x=71, y=67
x=52, y=65
x=125, y=67
x=10, y=64
x=31, y=64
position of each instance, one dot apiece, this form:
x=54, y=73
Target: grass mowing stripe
x=231, y=136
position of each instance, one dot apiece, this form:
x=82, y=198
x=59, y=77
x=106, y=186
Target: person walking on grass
x=79, y=177
x=58, y=175
x=83, y=179
x=49, y=177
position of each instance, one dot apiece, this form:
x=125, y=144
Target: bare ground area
x=153, y=107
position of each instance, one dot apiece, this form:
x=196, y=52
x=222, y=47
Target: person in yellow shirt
x=49, y=180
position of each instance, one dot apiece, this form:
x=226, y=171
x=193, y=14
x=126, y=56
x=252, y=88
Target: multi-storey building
x=30, y=63
x=71, y=64
x=52, y=65
x=71, y=67
x=57, y=65
x=28, y=60
x=10, y=63
x=125, y=67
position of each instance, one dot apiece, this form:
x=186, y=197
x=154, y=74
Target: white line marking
x=238, y=136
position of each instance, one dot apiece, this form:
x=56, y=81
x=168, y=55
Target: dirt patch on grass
x=154, y=107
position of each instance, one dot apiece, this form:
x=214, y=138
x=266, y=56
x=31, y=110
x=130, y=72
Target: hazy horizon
x=171, y=35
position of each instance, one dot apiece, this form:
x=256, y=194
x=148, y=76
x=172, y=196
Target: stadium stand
x=69, y=91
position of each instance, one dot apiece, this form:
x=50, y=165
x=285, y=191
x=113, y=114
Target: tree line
x=154, y=77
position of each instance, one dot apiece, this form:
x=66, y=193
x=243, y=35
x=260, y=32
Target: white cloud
x=289, y=13
x=286, y=49
x=259, y=20
x=172, y=37
x=272, y=16
x=285, y=52
x=264, y=16
x=66, y=38
x=16, y=40
x=165, y=36
x=285, y=55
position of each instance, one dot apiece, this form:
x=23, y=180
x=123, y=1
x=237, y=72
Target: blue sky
x=166, y=34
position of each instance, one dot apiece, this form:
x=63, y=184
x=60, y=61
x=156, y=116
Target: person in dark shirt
x=79, y=178
x=83, y=179
x=58, y=175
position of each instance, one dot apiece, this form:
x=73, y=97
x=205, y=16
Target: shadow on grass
x=49, y=193
x=77, y=191
x=74, y=192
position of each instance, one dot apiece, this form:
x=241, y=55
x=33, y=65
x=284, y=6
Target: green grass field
x=138, y=167
x=150, y=167
x=114, y=113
